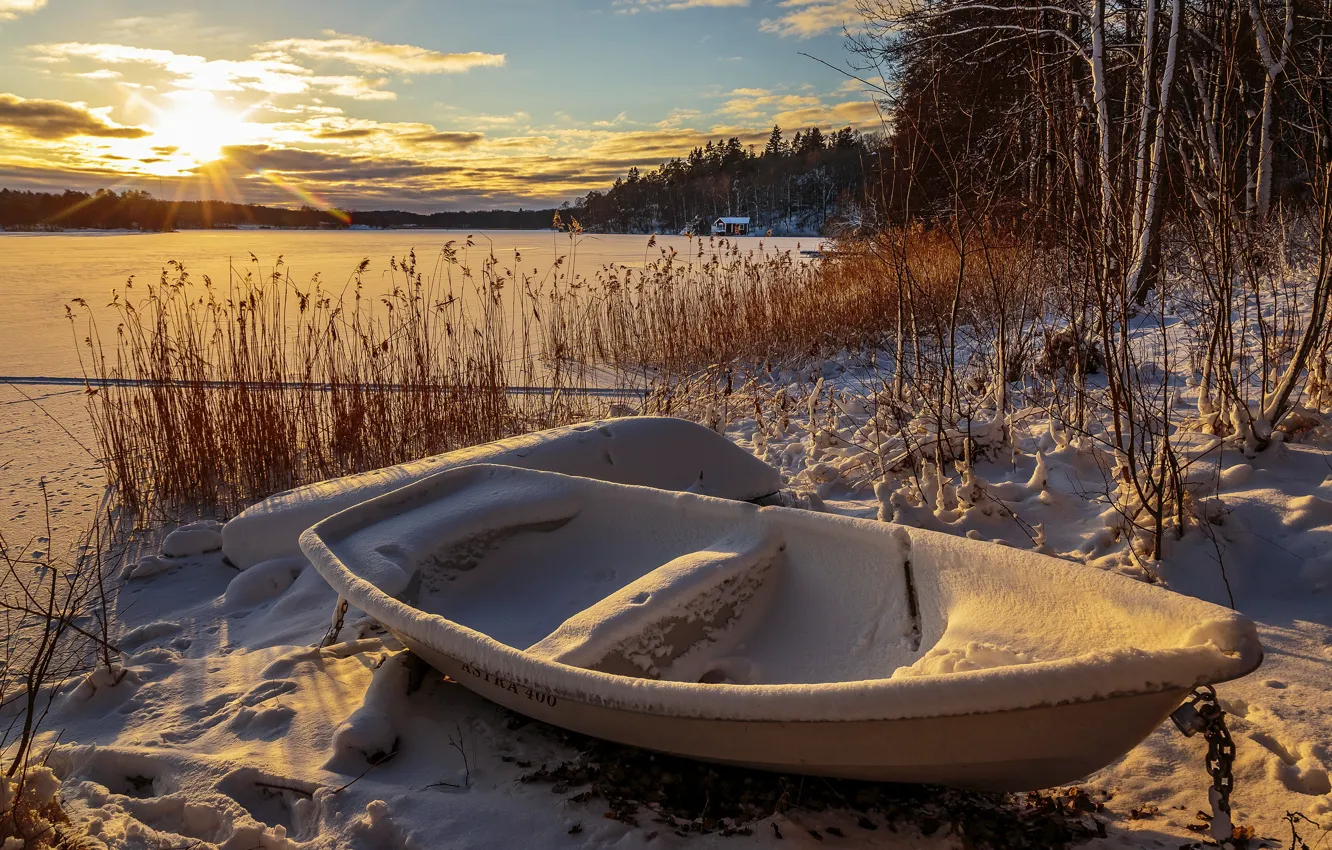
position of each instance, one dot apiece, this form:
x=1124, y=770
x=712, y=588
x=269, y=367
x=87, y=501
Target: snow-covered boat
x=650, y=451
x=770, y=637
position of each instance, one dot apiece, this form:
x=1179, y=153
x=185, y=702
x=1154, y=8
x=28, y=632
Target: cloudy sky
x=413, y=104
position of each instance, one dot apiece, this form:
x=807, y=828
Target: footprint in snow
x=1296, y=766
x=274, y=801
x=146, y=634
x=177, y=815
x=264, y=724
x=130, y=774
x=240, y=712
x=201, y=717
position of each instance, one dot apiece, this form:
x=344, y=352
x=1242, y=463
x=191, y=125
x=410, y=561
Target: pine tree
x=813, y=141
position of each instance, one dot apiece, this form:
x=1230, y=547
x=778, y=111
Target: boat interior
x=652, y=584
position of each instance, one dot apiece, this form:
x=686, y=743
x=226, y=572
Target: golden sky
x=402, y=103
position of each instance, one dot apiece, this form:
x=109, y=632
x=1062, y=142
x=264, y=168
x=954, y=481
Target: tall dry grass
x=213, y=395
x=210, y=396
x=679, y=314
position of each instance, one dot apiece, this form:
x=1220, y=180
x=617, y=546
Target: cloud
x=677, y=117
x=455, y=141
x=374, y=55
x=490, y=121
x=854, y=113
x=357, y=88
x=633, y=7
x=171, y=28
x=349, y=133
x=270, y=72
x=56, y=119
x=808, y=18
x=521, y=142
x=760, y=104
x=646, y=147
x=11, y=9
x=322, y=165
x=271, y=76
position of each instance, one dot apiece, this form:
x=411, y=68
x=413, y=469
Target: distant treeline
x=521, y=219
x=802, y=185
x=136, y=210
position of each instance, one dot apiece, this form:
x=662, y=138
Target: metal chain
x=1203, y=713
x=339, y=615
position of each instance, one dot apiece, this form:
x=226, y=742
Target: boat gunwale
x=884, y=699
x=583, y=700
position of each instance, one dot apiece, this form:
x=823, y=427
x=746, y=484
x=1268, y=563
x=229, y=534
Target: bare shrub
x=54, y=612
x=1064, y=354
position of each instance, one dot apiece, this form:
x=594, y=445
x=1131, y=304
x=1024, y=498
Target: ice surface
x=662, y=452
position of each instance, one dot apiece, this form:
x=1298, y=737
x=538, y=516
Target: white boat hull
x=1017, y=750
x=774, y=638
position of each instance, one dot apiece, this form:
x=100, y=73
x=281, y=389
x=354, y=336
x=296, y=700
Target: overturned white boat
x=771, y=637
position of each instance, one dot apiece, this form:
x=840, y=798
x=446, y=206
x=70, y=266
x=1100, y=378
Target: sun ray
x=309, y=197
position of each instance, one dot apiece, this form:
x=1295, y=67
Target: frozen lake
x=41, y=273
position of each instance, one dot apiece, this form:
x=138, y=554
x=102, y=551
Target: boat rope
x=1203, y=713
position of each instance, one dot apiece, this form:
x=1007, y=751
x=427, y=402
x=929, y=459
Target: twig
x=373, y=764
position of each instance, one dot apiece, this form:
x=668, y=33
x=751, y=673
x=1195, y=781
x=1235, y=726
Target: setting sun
x=197, y=128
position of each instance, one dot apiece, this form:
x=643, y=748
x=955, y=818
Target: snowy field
x=44, y=431
x=231, y=730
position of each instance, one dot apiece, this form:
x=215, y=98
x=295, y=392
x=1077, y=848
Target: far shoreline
x=588, y=234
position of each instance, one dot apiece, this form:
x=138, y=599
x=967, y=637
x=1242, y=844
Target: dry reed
x=211, y=396
x=681, y=314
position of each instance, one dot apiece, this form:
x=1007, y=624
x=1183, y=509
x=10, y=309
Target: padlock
x=1188, y=719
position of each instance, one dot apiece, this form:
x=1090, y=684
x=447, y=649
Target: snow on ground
x=43, y=432
x=1267, y=543
x=231, y=730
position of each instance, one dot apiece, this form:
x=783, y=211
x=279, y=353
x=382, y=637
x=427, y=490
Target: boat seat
x=675, y=621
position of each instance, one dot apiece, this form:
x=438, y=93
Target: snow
x=222, y=730
x=262, y=582
x=642, y=623
x=671, y=454
x=370, y=732
x=195, y=538
x=46, y=440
